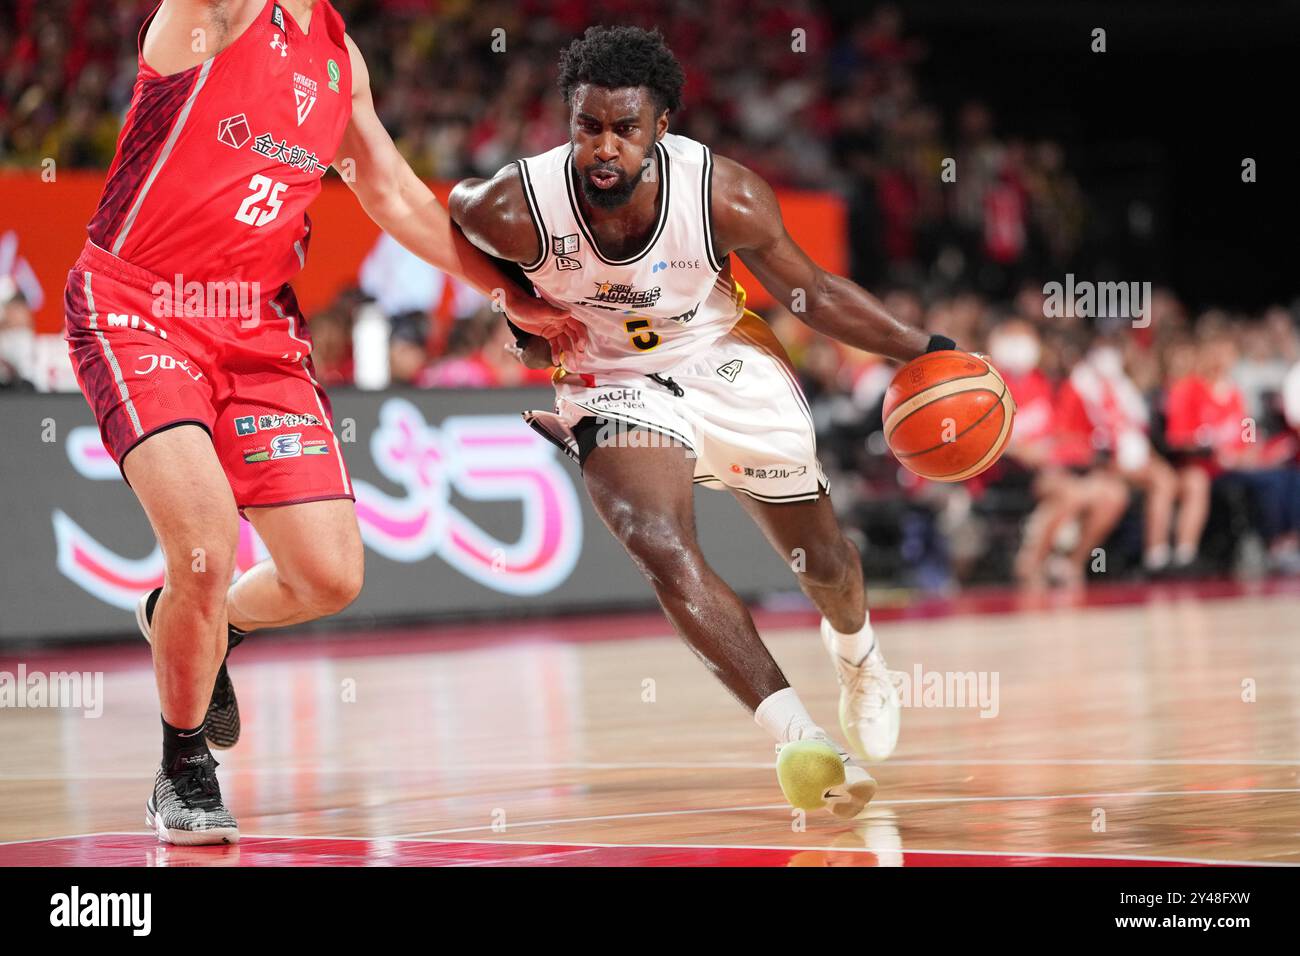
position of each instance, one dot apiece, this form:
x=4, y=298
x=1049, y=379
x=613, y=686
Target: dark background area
x=1184, y=92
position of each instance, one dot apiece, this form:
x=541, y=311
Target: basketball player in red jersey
x=674, y=359
x=189, y=345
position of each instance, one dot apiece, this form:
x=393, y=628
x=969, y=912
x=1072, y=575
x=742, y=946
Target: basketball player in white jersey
x=631, y=229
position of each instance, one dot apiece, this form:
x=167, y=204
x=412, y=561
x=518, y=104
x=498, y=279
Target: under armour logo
x=277, y=43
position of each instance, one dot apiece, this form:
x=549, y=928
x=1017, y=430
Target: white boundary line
x=1044, y=798
x=875, y=803
x=72, y=836
x=866, y=849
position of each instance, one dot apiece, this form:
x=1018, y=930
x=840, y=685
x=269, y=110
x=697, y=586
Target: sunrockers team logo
x=304, y=94
x=623, y=293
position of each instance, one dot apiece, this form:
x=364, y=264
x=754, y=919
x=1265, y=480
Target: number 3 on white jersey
x=263, y=189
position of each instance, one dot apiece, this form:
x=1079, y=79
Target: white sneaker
x=818, y=773
x=869, y=704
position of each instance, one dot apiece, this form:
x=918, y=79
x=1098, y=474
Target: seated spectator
x=1215, y=439
x=16, y=338
x=1093, y=498
x=331, y=348
x=408, y=352
x=1102, y=416
x=463, y=365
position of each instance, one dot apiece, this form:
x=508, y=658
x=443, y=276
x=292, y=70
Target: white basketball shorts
x=740, y=411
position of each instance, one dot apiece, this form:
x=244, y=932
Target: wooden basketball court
x=1137, y=725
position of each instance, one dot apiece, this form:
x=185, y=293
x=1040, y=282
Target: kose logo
x=675, y=264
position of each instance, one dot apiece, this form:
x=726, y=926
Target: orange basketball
x=948, y=415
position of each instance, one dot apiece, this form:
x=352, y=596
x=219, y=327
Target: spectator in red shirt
x=462, y=366
x=1103, y=416
x=1205, y=412
x=1215, y=438
x=1091, y=497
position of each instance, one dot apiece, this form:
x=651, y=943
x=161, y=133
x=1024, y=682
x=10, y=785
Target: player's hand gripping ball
x=948, y=415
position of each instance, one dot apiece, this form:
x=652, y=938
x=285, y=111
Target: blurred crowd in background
x=1166, y=449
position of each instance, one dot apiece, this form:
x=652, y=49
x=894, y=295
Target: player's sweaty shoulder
x=494, y=214
x=744, y=208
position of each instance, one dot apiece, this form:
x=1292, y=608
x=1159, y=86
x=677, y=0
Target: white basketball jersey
x=649, y=311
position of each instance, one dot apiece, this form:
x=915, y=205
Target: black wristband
x=521, y=337
x=941, y=343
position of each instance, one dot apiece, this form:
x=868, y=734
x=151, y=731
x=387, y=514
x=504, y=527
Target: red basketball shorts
x=152, y=353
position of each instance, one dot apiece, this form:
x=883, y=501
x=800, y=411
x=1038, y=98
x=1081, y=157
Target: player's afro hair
x=615, y=57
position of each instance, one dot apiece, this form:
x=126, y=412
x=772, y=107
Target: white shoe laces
x=871, y=684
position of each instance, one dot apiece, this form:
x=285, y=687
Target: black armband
x=513, y=272
x=941, y=343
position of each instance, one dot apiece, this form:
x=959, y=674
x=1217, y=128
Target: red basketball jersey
x=215, y=166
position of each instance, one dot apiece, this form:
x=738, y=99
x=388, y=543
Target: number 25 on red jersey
x=263, y=203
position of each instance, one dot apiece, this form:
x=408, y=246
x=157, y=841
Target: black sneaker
x=222, y=721
x=186, y=807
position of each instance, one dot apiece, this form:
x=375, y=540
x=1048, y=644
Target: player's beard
x=616, y=195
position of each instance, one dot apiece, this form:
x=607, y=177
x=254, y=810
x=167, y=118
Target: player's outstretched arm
x=405, y=208
x=747, y=221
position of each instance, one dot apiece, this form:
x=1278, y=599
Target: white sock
x=854, y=648
x=784, y=716
x=1157, y=557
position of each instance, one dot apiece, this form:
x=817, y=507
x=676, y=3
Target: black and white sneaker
x=222, y=721
x=186, y=808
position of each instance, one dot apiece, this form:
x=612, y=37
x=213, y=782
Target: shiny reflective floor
x=1137, y=726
